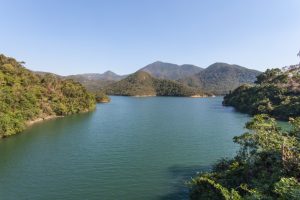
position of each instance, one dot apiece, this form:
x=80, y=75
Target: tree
x=25, y=96
x=267, y=165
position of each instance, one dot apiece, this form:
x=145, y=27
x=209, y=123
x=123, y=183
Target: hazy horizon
x=68, y=37
x=109, y=70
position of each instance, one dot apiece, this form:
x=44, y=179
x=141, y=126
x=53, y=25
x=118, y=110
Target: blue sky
x=72, y=36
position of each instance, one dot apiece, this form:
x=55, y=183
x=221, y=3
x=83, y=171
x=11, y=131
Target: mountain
x=41, y=73
x=26, y=97
x=108, y=76
x=218, y=78
x=170, y=71
x=277, y=93
x=95, y=82
x=143, y=84
x=221, y=78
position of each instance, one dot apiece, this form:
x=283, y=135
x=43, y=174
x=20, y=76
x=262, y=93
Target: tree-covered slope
x=267, y=166
x=143, y=84
x=26, y=96
x=170, y=71
x=276, y=93
x=221, y=78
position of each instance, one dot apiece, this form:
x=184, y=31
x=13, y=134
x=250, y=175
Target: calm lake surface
x=131, y=148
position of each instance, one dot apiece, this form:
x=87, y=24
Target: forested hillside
x=25, y=96
x=277, y=93
x=267, y=166
x=143, y=84
x=218, y=78
x=221, y=78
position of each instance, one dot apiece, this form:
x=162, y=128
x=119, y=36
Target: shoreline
x=104, y=101
x=143, y=96
x=41, y=119
x=151, y=95
x=199, y=96
x=30, y=123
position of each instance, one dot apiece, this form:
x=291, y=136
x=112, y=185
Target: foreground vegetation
x=277, y=93
x=25, y=96
x=266, y=167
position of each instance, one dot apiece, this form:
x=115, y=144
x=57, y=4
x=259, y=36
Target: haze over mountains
x=218, y=78
x=170, y=71
x=108, y=75
x=96, y=81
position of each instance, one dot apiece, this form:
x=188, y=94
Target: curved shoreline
x=150, y=95
x=42, y=119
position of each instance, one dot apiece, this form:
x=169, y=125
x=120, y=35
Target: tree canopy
x=142, y=83
x=267, y=165
x=277, y=93
x=25, y=96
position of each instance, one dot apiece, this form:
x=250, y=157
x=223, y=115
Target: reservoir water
x=131, y=148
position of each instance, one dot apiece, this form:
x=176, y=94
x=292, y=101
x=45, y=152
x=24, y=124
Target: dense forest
x=220, y=78
x=143, y=84
x=26, y=96
x=266, y=167
x=276, y=93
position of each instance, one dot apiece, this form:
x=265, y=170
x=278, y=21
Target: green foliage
x=287, y=189
x=143, y=84
x=268, y=76
x=25, y=96
x=209, y=189
x=277, y=94
x=266, y=157
x=221, y=78
x=101, y=97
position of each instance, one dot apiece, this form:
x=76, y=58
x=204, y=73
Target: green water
x=131, y=148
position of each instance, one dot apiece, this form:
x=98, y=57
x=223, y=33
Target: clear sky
x=73, y=36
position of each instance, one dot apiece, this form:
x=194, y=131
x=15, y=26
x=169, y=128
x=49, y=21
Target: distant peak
x=109, y=73
x=220, y=64
x=157, y=62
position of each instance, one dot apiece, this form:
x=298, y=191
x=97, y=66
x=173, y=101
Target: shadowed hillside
x=221, y=78
x=143, y=84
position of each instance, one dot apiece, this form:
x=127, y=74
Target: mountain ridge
x=170, y=71
x=142, y=83
x=221, y=78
